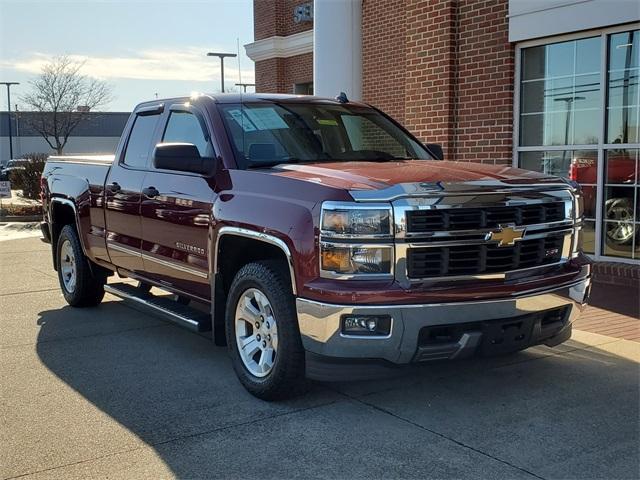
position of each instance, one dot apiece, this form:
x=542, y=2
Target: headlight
x=356, y=221
x=346, y=259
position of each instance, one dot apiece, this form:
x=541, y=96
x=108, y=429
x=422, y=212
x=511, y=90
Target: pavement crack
x=434, y=432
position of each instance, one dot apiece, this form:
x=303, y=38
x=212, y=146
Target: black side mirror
x=435, y=149
x=182, y=157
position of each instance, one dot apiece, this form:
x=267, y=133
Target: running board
x=183, y=315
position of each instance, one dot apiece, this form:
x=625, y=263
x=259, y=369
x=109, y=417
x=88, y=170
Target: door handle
x=115, y=187
x=150, y=192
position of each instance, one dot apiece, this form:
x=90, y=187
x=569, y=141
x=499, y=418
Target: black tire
x=88, y=290
x=286, y=378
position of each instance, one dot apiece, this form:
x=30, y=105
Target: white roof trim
x=280, y=47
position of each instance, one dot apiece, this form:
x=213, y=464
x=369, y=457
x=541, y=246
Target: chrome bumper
x=320, y=323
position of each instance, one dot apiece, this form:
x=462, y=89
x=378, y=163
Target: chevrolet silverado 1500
x=316, y=238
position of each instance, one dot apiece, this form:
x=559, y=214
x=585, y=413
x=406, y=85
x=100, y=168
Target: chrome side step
x=182, y=315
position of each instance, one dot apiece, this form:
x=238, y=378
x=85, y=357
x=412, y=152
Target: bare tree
x=62, y=96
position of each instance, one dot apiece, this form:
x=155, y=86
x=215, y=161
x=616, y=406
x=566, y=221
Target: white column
x=337, y=48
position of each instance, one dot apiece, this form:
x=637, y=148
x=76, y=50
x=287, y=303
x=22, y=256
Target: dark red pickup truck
x=316, y=238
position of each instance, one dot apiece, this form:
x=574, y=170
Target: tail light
x=573, y=171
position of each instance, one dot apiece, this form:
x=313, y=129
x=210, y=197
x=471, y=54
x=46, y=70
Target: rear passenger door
x=123, y=192
x=176, y=211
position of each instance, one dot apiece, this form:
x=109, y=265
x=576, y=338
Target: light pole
x=221, y=56
x=8, y=84
x=245, y=85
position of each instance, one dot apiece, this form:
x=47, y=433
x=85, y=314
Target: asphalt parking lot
x=112, y=392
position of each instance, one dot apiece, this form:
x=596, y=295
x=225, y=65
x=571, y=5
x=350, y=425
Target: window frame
x=186, y=106
x=199, y=118
x=601, y=147
x=146, y=111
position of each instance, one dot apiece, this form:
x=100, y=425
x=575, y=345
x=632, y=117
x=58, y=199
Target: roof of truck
x=250, y=98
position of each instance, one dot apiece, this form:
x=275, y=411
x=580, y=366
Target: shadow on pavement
x=558, y=416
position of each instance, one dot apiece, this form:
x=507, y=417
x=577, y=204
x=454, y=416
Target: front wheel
x=79, y=285
x=262, y=332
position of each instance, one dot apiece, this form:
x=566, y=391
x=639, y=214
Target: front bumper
x=474, y=327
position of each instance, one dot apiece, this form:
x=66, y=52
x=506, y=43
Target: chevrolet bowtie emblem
x=506, y=236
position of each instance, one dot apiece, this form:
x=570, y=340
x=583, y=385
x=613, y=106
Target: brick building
x=548, y=85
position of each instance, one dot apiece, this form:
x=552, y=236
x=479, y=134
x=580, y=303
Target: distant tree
x=63, y=98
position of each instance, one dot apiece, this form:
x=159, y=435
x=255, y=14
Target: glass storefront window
x=621, y=207
x=623, y=94
x=578, y=165
x=560, y=94
x=561, y=106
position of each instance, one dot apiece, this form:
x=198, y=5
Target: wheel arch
x=62, y=211
x=235, y=247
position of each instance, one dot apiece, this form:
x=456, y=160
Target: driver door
x=176, y=212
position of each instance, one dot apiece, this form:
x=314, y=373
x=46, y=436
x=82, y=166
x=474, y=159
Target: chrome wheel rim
x=68, y=266
x=256, y=332
x=623, y=230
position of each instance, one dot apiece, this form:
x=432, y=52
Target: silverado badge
x=506, y=236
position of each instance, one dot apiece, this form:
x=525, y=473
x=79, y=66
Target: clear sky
x=140, y=47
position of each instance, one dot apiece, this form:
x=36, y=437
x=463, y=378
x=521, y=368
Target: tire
x=79, y=286
x=256, y=283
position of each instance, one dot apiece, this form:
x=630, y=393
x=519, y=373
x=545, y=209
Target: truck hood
x=414, y=176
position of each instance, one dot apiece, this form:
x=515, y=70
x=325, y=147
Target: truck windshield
x=267, y=134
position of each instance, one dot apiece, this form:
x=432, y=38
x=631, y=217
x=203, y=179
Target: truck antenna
x=342, y=98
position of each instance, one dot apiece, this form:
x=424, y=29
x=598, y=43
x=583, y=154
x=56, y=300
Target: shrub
x=28, y=179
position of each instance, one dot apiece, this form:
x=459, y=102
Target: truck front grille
x=424, y=221
x=425, y=262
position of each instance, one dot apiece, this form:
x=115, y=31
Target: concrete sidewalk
x=111, y=392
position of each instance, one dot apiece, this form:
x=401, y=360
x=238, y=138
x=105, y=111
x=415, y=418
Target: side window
x=139, y=144
x=184, y=127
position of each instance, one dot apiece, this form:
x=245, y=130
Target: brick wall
x=445, y=69
x=275, y=18
x=383, y=55
x=484, y=82
x=280, y=74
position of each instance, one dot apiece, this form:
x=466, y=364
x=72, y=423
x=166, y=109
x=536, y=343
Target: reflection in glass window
x=621, y=203
x=561, y=106
x=560, y=94
x=623, y=94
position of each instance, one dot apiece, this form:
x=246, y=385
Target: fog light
x=366, y=325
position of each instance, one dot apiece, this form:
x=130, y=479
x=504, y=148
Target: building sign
x=303, y=12
x=5, y=189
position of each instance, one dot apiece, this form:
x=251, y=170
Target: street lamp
x=245, y=85
x=8, y=84
x=569, y=103
x=221, y=56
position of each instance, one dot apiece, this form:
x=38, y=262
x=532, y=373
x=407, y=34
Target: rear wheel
x=80, y=287
x=262, y=332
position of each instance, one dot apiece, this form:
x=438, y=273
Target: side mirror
x=182, y=157
x=435, y=149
